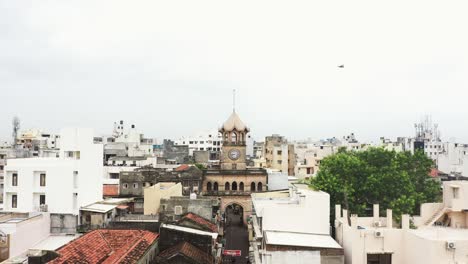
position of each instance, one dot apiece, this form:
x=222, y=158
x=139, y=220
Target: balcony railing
x=230, y=143
x=225, y=193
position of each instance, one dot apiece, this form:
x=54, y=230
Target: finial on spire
x=233, y=100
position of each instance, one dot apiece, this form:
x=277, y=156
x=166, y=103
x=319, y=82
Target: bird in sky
x=341, y=66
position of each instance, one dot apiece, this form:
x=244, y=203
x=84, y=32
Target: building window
x=14, y=180
x=125, y=186
x=234, y=186
x=385, y=258
x=260, y=187
x=279, y=152
x=252, y=187
x=241, y=186
x=215, y=186
x=135, y=186
x=208, y=186
x=226, y=186
x=42, y=179
x=455, y=192
x=279, y=161
x=14, y=201
x=42, y=199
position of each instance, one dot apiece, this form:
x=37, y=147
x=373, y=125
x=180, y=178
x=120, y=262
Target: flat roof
x=116, y=201
x=99, y=208
x=190, y=230
x=300, y=240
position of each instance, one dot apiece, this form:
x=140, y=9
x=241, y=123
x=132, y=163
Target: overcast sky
x=170, y=66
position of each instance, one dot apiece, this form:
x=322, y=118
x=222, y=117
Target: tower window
x=252, y=187
x=234, y=137
x=234, y=186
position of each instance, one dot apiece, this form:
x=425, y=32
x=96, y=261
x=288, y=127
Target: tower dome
x=234, y=123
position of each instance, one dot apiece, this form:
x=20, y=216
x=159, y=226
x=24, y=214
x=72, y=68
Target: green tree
x=398, y=181
x=200, y=166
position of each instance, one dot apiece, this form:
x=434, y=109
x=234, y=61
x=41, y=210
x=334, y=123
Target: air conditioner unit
x=377, y=224
x=378, y=234
x=177, y=210
x=450, y=245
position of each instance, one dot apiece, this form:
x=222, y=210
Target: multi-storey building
x=207, y=140
x=210, y=141
x=293, y=226
x=29, y=143
x=279, y=154
x=58, y=185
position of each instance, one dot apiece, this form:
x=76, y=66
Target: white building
x=293, y=226
x=211, y=141
x=439, y=235
x=59, y=185
x=277, y=180
x=453, y=159
x=24, y=233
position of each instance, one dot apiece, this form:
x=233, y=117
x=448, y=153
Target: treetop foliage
x=396, y=180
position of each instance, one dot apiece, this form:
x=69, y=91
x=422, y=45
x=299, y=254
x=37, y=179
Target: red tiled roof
x=182, y=167
x=187, y=250
x=201, y=221
x=107, y=246
x=110, y=190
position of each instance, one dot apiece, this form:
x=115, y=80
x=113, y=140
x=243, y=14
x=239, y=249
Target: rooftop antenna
x=234, y=100
x=16, y=127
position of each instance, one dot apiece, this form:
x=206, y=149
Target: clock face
x=234, y=154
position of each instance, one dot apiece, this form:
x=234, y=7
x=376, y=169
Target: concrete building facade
x=57, y=185
x=438, y=235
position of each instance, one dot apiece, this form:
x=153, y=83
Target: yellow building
x=154, y=194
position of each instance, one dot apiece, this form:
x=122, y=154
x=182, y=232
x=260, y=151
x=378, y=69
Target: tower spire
x=234, y=100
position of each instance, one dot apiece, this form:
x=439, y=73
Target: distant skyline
x=170, y=67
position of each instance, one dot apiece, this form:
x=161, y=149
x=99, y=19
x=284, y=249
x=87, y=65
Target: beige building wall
x=427, y=243
x=154, y=194
x=406, y=246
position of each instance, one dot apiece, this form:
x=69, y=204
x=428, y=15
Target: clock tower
x=234, y=133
